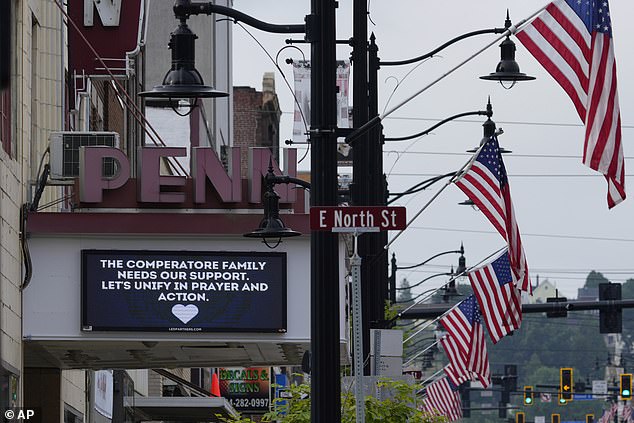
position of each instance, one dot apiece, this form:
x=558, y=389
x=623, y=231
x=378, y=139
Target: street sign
x=599, y=387
x=540, y=419
x=582, y=397
x=347, y=219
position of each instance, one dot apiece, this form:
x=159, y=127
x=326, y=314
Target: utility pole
x=360, y=189
x=325, y=356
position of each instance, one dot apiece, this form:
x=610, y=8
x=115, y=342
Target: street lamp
x=507, y=70
x=271, y=225
x=183, y=80
x=394, y=267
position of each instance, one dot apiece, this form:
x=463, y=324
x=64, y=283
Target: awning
x=199, y=409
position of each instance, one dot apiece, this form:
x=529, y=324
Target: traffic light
x=555, y=418
x=589, y=418
x=565, y=384
x=610, y=318
x=502, y=409
x=625, y=387
x=465, y=397
x=561, y=311
x=561, y=400
x=519, y=417
x=528, y=395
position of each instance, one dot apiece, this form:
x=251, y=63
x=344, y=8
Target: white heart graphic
x=185, y=313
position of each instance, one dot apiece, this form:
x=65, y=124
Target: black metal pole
x=325, y=357
x=360, y=188
x=393, y=280
x=378, y=195
x=427, y=311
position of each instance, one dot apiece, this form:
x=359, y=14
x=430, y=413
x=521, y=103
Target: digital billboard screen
x=183, y=291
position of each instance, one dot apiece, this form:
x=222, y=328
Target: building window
x=5, y=120
x=71, y=415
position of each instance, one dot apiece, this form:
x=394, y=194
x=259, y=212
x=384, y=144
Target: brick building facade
x=256, y=119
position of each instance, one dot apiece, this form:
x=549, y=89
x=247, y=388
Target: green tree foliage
x=401, y=406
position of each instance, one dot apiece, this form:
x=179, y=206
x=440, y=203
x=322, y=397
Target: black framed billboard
x=183, y=291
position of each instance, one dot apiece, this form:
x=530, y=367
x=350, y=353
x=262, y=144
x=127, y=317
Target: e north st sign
x=348, y=218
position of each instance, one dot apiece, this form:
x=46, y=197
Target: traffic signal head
x=528, y=395
x=589, y=418
x=625, y=387
x=565, y=384
x=519, y=417
x=555, y=418
x=610, y=318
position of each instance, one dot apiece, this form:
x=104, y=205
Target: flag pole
x=432, y=376
x=419, y=353
x=431, y=200
x=450, y=280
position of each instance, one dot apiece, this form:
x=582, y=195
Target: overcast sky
x=561, y=208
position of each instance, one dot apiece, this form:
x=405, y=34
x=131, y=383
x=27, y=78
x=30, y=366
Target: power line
x=513, y=155
x=556, y=236
x=500, y=122
x=517, y=175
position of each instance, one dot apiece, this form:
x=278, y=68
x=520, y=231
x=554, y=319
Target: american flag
x=464, y=324
x=499, y=299
x=456, y=370
x=605, y=417
x=457, y=376
x=608, y=414
x=572, y=39
x=627, y=414
x=444, y=399
x=485, y=182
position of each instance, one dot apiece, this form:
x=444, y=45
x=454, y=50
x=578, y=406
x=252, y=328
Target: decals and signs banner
x=246, y=388
x=183, y=291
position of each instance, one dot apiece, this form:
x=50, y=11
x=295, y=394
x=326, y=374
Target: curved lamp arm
x=419, y=283
x=444, y=46
x=461, y=251
x=183, y=9
x=270, y=178
x=442, y=122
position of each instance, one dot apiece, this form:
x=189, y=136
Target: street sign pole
x=357, y=331
x=357, y=220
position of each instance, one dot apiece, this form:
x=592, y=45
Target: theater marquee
x=183, y=291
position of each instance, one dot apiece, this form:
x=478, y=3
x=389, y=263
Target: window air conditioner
x=64, y=152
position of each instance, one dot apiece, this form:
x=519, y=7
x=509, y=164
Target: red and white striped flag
x=485, y=182
x=499, y=299
x=464, y=327
x=442, y=397
x=456, y=370
x=572, y=39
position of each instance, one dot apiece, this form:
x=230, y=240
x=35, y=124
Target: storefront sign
x=183, y=291
x=154, y=187
x=101, y=22
x=246, y=388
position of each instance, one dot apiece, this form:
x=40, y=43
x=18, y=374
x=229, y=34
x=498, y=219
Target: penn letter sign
x=112, y=28
x=183, y=291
